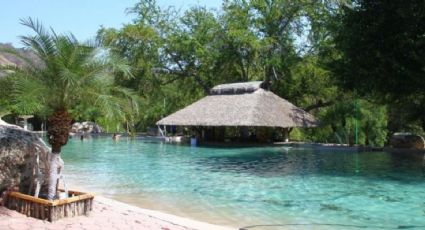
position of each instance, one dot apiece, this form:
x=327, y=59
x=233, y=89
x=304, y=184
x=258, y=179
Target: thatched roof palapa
x=241, y=104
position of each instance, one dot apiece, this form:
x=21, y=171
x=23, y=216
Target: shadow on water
x=265, y=161
x=272, y=162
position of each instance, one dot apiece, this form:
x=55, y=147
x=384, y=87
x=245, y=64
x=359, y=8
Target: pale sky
x=81, y=17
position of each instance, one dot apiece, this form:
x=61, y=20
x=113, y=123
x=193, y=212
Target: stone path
x=106, y=214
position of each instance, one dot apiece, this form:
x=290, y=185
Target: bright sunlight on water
x=272, y=187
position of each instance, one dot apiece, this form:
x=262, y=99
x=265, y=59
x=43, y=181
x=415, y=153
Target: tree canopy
x=382, y=45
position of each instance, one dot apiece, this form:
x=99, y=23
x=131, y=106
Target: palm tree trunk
x=59, y=125
x=53, y=175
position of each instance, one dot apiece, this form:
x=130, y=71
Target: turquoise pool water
x=273, y=187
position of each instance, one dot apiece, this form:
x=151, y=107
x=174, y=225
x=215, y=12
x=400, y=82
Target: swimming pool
x=272, y=187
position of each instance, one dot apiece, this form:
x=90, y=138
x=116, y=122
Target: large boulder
x=24, y=158
x=407, y=140
x=86, y=127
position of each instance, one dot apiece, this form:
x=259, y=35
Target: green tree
x=180, y=56
x=382, y=45
x=240, y=45
x=72, y=74
x=284, y=40
x=175, y=58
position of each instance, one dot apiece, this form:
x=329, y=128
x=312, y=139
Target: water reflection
x=280, y=162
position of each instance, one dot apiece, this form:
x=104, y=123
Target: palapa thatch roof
x=241, y=104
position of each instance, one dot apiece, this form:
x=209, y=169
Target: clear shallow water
x=295, y=188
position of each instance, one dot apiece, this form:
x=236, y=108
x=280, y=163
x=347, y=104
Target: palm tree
x=68, y=74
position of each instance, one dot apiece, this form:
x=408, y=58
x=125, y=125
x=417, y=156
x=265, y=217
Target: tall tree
x=240, y=51
x=382, y=46
x=183, y=55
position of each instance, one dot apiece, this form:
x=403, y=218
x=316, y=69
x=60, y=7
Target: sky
x=81, y=17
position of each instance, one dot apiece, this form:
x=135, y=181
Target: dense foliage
x=358, y=65
x=382, y=46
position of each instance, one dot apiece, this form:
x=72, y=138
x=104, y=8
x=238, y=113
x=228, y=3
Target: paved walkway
x=106, y=214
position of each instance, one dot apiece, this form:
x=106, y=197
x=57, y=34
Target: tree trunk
x=59, y=125
x=53, y=175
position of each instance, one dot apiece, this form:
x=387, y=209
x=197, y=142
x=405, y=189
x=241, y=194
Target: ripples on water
x=299, y=188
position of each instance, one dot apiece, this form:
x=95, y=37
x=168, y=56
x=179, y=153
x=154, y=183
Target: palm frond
x=28, y=94
x=120, y=65
x=69, y=78
x=36, y=25
x=115, y=64
x=129, y=95
x=111, y=107
x=42, y=42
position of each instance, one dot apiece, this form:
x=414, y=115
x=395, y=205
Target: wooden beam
x=72, y=199
x=31, y=198
x=80, y=196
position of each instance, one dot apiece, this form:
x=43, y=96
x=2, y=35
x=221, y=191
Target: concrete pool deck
x=107, y=214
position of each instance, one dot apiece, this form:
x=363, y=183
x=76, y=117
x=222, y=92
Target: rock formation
x=24, y=160
x=7, y=59
x=407, y=140
x=85, y=127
